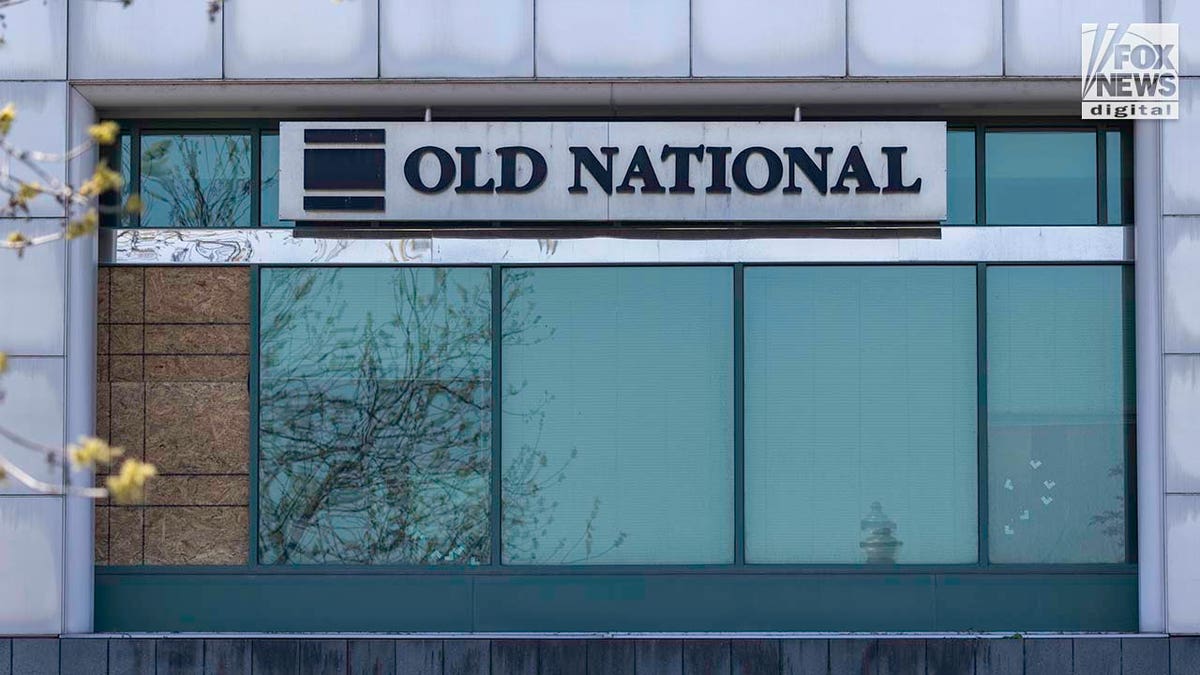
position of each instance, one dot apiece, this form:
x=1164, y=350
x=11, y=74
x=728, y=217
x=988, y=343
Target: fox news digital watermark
x=1130, y=71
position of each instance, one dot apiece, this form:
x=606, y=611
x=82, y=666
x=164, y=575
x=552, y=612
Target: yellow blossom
x=134, y=204
x=28, y=191
x=92, y=451
x=104, y=133
x=7, y=114
x=17, y=240
x=128, y=486
x=83, y=225
x=3, y=362
x=103, y=180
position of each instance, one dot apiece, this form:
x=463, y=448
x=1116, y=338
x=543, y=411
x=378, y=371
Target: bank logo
x=1130, y=71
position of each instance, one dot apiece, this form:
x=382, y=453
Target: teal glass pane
x=860, y=389
x=1115, y=186
x=112, y=203
x=960, y=177
x=269, y=182
x=618, y=415
x=374, y=415
x=196, y=180
x=1060, y=411
x=1041, y=177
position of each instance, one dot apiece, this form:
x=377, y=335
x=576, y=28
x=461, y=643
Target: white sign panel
x=613, y=171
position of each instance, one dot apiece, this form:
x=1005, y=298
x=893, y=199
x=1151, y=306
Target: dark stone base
x=383, y=656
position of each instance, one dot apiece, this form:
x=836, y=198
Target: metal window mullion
x=256, y=177
x=135, y=173
x=253, y=384
x=1102, y=215
x=980, y=174
x=981, y=398
x=494, y=513
x=739, y=416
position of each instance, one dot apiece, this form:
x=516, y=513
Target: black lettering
x=774, y=170
x=818, y=176
x=466, y=180
x=412, y=169
x=895, y=171
x=508, y=169
x=601, y=173
x=855, y=168
x=641, y=168
x=683, y=167
x=719, y=155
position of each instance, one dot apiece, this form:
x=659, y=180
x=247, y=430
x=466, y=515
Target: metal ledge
x=584, y=245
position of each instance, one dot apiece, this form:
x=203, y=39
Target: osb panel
x=197, y=368
x=128, y=420
x=172, y=376
x=126, y=292
x=100, y=531
x=198, y=491
x=198, y=427
x=196, y=535
x=197, y=339
x=125, y=535
x=197, y=295
x=125, y=368
x=126, y=338
x=102, y=289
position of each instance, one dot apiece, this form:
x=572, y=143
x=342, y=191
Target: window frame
x=257, y=127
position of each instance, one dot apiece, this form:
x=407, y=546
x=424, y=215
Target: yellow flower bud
x=84, y=225
x=104, y=133
x=17, y=240
x=134, y=204
x=92, y=451
x=103, y=180
x=128, y=486
x=7, y=115
x=3, y=362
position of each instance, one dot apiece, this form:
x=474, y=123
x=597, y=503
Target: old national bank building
x=551, y=336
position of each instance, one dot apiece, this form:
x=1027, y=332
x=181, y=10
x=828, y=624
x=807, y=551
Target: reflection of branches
x=202, y=181
x=1112, y=521
x=375, y=430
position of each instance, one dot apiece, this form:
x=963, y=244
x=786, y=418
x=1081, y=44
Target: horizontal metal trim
x=566, y=635
x=583, y=244
x=344, y=135
x=336, y=203
x=618, y=570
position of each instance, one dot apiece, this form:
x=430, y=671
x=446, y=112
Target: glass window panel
x=860, y=388
x=1114, y=189
x=118, y=157
x=375, y=415
x=618, y=415
x=960, y=177
x=269, y=188
x=1041, y=177
x=196, y=180
x=1059, y=413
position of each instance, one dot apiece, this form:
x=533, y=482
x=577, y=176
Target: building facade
x=452, y=414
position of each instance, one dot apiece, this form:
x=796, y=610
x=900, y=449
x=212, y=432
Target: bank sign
x=613, y=171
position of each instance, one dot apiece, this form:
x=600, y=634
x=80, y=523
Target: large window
x=860, y=391
x=618, y=415
x=375, y=416
x=1060, y=413
x=695, y=415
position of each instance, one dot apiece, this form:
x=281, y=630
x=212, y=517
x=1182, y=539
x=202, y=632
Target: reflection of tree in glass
x=196, y=181
x=375, y=432
x=1112, y=521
